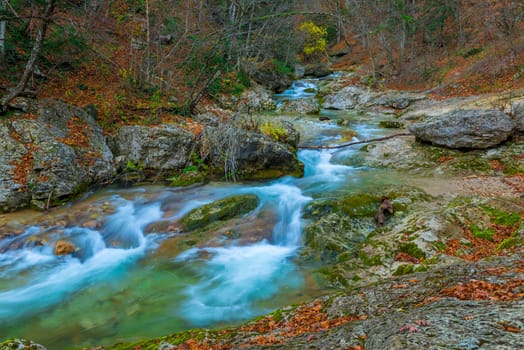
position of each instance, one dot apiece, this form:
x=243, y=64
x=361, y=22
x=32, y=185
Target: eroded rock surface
x=51, y=153
x=466, y=129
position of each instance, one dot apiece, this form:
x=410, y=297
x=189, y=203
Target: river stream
x=127, y=282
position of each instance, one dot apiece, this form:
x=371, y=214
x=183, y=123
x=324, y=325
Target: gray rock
x=517, y=110
x=466, y=129
x=300, y=71
x=254, y=99
x=155, y=150
x=347, y=98
x=396, y=99
x=268, y=75
x=317, y=70
x=12, y=191
x=52, y=157
x=351, y=97
x=249, y=154
x=20, y=344
x=301, y=106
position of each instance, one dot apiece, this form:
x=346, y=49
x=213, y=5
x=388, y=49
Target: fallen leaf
x=510, y=328
x=423, y=323
x=409, y=328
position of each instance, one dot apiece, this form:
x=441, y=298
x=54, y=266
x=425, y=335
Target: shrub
x=316, y=39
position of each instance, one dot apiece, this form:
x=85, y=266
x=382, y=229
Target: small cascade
x=299, y=89
x=236, y=277
x=100, y=256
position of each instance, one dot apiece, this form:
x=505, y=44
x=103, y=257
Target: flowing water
x=126, y=283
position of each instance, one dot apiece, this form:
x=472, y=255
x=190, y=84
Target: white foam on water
x=70, y=274
x=235, y=278
x=298, y=89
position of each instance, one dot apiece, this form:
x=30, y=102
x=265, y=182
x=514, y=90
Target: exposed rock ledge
x=54, y=151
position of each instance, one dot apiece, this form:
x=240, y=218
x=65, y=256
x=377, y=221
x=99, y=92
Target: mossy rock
x=222, y=209
x=365, y=204
x=188, y=178
x=478, y=232
x=404, y=270
x=335, y=237
x=516, y=240
x=412, y=249
x=390, y=124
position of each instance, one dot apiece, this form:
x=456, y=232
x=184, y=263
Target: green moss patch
x=412, y=249
x=502, y=218
x=404, y=270
x=478, y=232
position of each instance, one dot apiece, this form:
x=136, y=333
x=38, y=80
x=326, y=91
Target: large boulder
x=272, y=76
x=50, y=154
x=300, y=106
x=347, y=98
x=161, y=150
x=317, y=70
x=467, y=129
x=249, y=155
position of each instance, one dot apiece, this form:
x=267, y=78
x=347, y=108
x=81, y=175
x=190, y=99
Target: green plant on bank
x=132, y=167
x=281, y=67
x=412, y=249
x=195, y=171
x=482, y=233
x=227, y=85
x=502, y=218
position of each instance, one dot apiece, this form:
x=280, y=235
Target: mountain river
x=125, y=283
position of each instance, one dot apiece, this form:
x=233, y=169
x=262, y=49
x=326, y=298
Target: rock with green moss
x=222, y=209
x=365, y=204
x=404, y=269
x=390, y=124
x=334, y=236
x=412, y=249
x=250, y=155
x=302, y=106
x=188, y=178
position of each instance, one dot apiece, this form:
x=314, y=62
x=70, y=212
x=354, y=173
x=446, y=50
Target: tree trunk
x=3, y=6
x=30, y=66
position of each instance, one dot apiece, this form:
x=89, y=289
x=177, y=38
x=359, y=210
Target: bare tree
x=30, y=66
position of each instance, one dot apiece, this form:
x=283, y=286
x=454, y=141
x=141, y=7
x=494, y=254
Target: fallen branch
x=356, y=142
